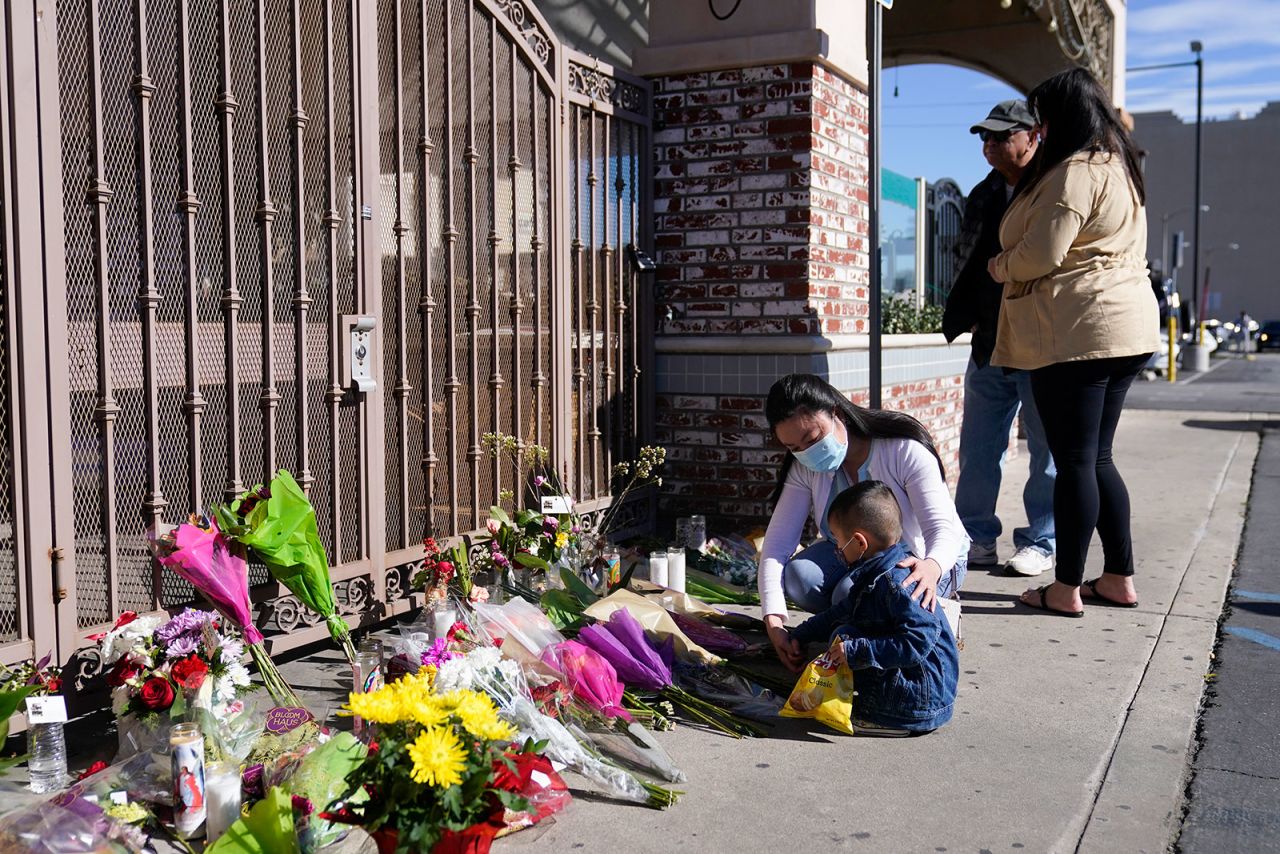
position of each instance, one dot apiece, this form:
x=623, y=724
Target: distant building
x=1241, y=182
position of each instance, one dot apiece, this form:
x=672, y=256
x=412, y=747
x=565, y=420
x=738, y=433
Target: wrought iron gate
x=228, y=180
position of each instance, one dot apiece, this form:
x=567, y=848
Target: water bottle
x=47, y=748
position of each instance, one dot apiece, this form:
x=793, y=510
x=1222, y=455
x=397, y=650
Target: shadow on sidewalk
x=1243, y=426
x=1010, y=601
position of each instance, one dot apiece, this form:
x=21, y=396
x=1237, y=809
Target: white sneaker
x=1029, y=561
x=981, y=554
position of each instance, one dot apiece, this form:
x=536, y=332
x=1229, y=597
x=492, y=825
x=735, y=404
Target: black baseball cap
x=1007, y=115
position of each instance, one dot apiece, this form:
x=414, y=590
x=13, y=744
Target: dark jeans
x=1080, y=405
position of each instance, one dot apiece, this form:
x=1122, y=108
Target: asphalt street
x=1234, y=795
x=1233, y=384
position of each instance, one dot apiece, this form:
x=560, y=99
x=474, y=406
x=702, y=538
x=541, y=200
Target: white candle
x=675, y=569
x=222, y=792
x=658, y=568
x=443, y=621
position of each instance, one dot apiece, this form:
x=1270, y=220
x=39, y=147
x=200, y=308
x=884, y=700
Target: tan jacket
x=1075, y=269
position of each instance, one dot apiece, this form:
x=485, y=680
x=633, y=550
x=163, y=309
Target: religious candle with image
x=186, y=749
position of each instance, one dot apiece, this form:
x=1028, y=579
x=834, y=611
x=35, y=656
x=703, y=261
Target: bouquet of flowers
x=200, y=554
x=160, y=666
x=41, y=676
x=445, y=571
x=437, y=771
x=278, y=523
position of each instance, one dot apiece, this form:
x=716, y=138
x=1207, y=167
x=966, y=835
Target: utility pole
x=1196, y=48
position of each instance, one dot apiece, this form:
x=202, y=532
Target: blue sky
x=926, y=125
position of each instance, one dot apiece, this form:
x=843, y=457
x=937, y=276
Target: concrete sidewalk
x=1071, y=735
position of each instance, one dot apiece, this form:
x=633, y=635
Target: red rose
x=444, y=571
x=122, y=672
x=190, y=673
x=157, y=694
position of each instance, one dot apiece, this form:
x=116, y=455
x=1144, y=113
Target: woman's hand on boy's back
x=787, y=647
x=925, y=575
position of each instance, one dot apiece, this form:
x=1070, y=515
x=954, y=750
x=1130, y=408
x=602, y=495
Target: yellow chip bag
x=824, y=692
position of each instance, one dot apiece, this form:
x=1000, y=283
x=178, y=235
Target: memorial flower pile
x=156, y=666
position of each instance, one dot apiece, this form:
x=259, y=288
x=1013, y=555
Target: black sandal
x=1105, y=601
x=1044, y=606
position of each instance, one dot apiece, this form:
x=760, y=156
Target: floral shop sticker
x=283, y=719
x=46, y=710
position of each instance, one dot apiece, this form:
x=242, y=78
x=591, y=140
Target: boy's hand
x=836, y=654
x=787, y=647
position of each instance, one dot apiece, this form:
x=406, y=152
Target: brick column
x=761, y=234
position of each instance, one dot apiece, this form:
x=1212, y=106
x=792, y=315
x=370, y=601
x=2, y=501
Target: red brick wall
x=723, y=461
x=760, y=201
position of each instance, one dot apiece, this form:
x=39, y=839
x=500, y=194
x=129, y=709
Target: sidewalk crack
x=1244, y=774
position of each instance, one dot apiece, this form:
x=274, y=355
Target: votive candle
x=675, y=568
x=222, y=790
x=658, y=568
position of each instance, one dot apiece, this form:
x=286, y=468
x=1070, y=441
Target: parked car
x=1269, y=336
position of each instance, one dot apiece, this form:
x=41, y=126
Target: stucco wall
x=1241, y=174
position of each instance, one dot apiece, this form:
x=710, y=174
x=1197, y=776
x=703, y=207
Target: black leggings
x=1080, y=405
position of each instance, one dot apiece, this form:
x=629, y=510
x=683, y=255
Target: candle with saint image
x=222, y=785
x=675, y=568
x=186, y=750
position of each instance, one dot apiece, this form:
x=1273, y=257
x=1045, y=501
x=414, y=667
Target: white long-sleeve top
x=930, y=525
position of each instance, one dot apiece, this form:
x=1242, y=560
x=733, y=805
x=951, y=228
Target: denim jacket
x=903, y=657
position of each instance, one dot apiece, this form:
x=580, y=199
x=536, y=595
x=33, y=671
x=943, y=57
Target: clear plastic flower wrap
x=633, y=745
x=730, y=690
x=75, y=828
x=484, y=669
x=519, y=622
x=231, y=737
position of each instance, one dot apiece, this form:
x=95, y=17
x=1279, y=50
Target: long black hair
x=806, y=394
x=1080, y=117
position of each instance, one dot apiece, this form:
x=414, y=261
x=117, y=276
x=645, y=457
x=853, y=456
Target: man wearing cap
x=992, y=396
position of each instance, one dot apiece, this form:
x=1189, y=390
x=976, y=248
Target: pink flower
x=493, y=527
x=479, y=594
x=539, y=481
x=592, y=678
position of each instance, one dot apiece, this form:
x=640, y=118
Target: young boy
x=903, y=657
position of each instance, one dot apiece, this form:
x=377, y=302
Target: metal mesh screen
x=9, y=617
x=467, y=266
x=110, y=449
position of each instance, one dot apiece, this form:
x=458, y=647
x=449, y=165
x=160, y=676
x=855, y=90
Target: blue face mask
x=824, y=455
x=845, y=563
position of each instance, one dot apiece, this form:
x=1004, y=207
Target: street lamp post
x=1196, y=48
x=1192, y=357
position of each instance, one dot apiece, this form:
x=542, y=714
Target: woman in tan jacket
x=1078, y=312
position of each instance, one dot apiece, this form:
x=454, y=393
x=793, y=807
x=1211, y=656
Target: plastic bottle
x=47, y=747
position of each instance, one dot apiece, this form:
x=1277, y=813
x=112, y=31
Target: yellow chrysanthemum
x=379, y=707
x=562, y=540
x=427, y=712
x=480, y=718
x=438, y=758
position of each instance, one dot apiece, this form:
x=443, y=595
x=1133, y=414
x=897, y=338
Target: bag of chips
x=824, y=692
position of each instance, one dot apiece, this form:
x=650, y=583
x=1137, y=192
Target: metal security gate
x=226, y=185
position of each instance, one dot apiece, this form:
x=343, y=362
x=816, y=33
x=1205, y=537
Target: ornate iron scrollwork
x=599, y=86
x=539, y=42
